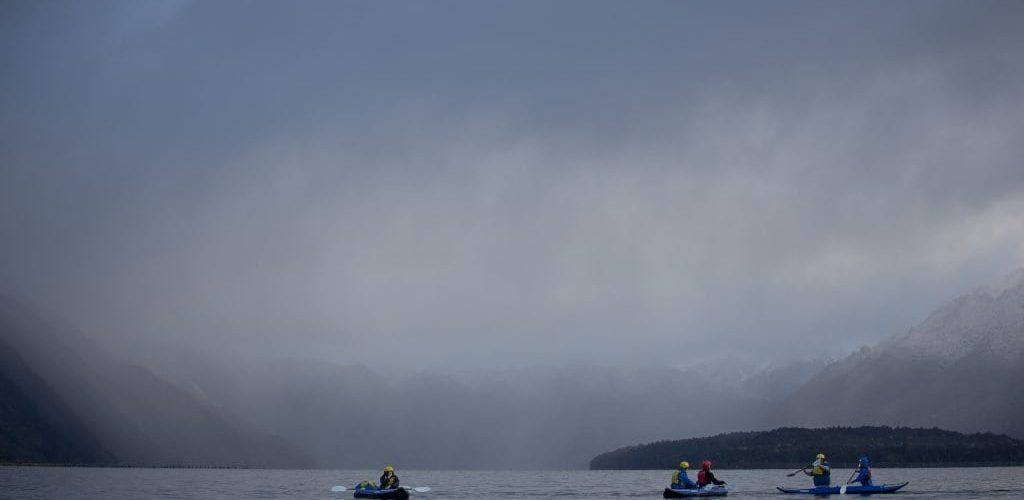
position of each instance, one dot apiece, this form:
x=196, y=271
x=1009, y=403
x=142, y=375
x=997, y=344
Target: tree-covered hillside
x=793, y=446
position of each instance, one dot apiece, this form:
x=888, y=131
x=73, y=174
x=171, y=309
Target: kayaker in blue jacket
x=680, y=480
x=819, y=471
x=863, y=473
x=388, y=480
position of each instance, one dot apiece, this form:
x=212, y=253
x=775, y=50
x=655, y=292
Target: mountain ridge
x=184, y=411
x=961, y=368
x=103, y=411
x=989, y=318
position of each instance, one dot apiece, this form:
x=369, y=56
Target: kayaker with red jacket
x=706, y=477
x=863, y=473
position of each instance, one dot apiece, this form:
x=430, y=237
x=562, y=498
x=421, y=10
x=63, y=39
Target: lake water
x=214, y=484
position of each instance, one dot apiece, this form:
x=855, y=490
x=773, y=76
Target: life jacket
x=702, y=477
x=388, y=482
x=819, y=468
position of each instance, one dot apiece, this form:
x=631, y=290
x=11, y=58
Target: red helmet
x=705, y=464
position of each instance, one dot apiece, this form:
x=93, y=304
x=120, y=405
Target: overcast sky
x=502, y=183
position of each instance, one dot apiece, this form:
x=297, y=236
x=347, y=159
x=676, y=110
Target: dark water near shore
x=215, y=484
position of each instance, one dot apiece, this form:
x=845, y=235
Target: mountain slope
x=962, y=368
x=66, y=400
x=35, y=425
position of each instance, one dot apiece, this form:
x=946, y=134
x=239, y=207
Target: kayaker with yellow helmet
x=680, y=480
x=819, y=470
x=388, y=480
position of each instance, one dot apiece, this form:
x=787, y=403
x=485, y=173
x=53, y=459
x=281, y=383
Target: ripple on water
x=81, y=483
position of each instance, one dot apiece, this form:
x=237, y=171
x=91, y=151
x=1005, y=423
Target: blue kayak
x=390, y=493
x=714, y=491
x=852, y=489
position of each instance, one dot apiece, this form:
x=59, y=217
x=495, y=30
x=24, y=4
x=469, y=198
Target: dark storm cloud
x=566, y=181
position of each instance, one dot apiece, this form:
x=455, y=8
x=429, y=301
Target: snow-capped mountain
x=962, y=368
x=989, y=321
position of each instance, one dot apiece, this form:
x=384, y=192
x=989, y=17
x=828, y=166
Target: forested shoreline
x=792, y=447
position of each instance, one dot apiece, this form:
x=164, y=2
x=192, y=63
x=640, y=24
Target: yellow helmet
x=684, y=465
x=388, y=468
x=820, y=456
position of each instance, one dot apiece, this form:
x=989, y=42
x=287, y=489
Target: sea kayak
x=853, y=489
x=391, y=493
x=714, y=491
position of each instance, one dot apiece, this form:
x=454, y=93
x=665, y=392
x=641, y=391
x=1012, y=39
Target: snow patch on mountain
x=988, y=321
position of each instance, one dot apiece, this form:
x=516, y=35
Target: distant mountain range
x=961, y=369
x=68, y=400
x=794, y=447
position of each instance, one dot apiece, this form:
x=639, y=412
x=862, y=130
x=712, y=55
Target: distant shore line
x=777, y=467
x=790, y=447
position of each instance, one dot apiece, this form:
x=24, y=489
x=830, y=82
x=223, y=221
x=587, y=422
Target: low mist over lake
x=502, y=235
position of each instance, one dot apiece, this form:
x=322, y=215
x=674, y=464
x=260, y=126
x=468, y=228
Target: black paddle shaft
x=791, y=474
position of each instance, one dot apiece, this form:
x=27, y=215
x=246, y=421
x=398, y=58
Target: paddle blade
x=338, y=488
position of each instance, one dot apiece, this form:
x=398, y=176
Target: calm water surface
x=195, y=484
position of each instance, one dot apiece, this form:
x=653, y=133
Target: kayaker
x=863, y=473
x=388, y=480
x=680, y=480
x=820, y=471
x=706, y=477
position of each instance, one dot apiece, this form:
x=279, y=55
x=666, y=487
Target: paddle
x=842, y=489
x=791, y=474
x=418, y=489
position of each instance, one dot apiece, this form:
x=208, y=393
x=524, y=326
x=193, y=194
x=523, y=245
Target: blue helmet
x=864, y=460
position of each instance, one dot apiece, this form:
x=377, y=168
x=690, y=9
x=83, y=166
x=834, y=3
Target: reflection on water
x=215, y=484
